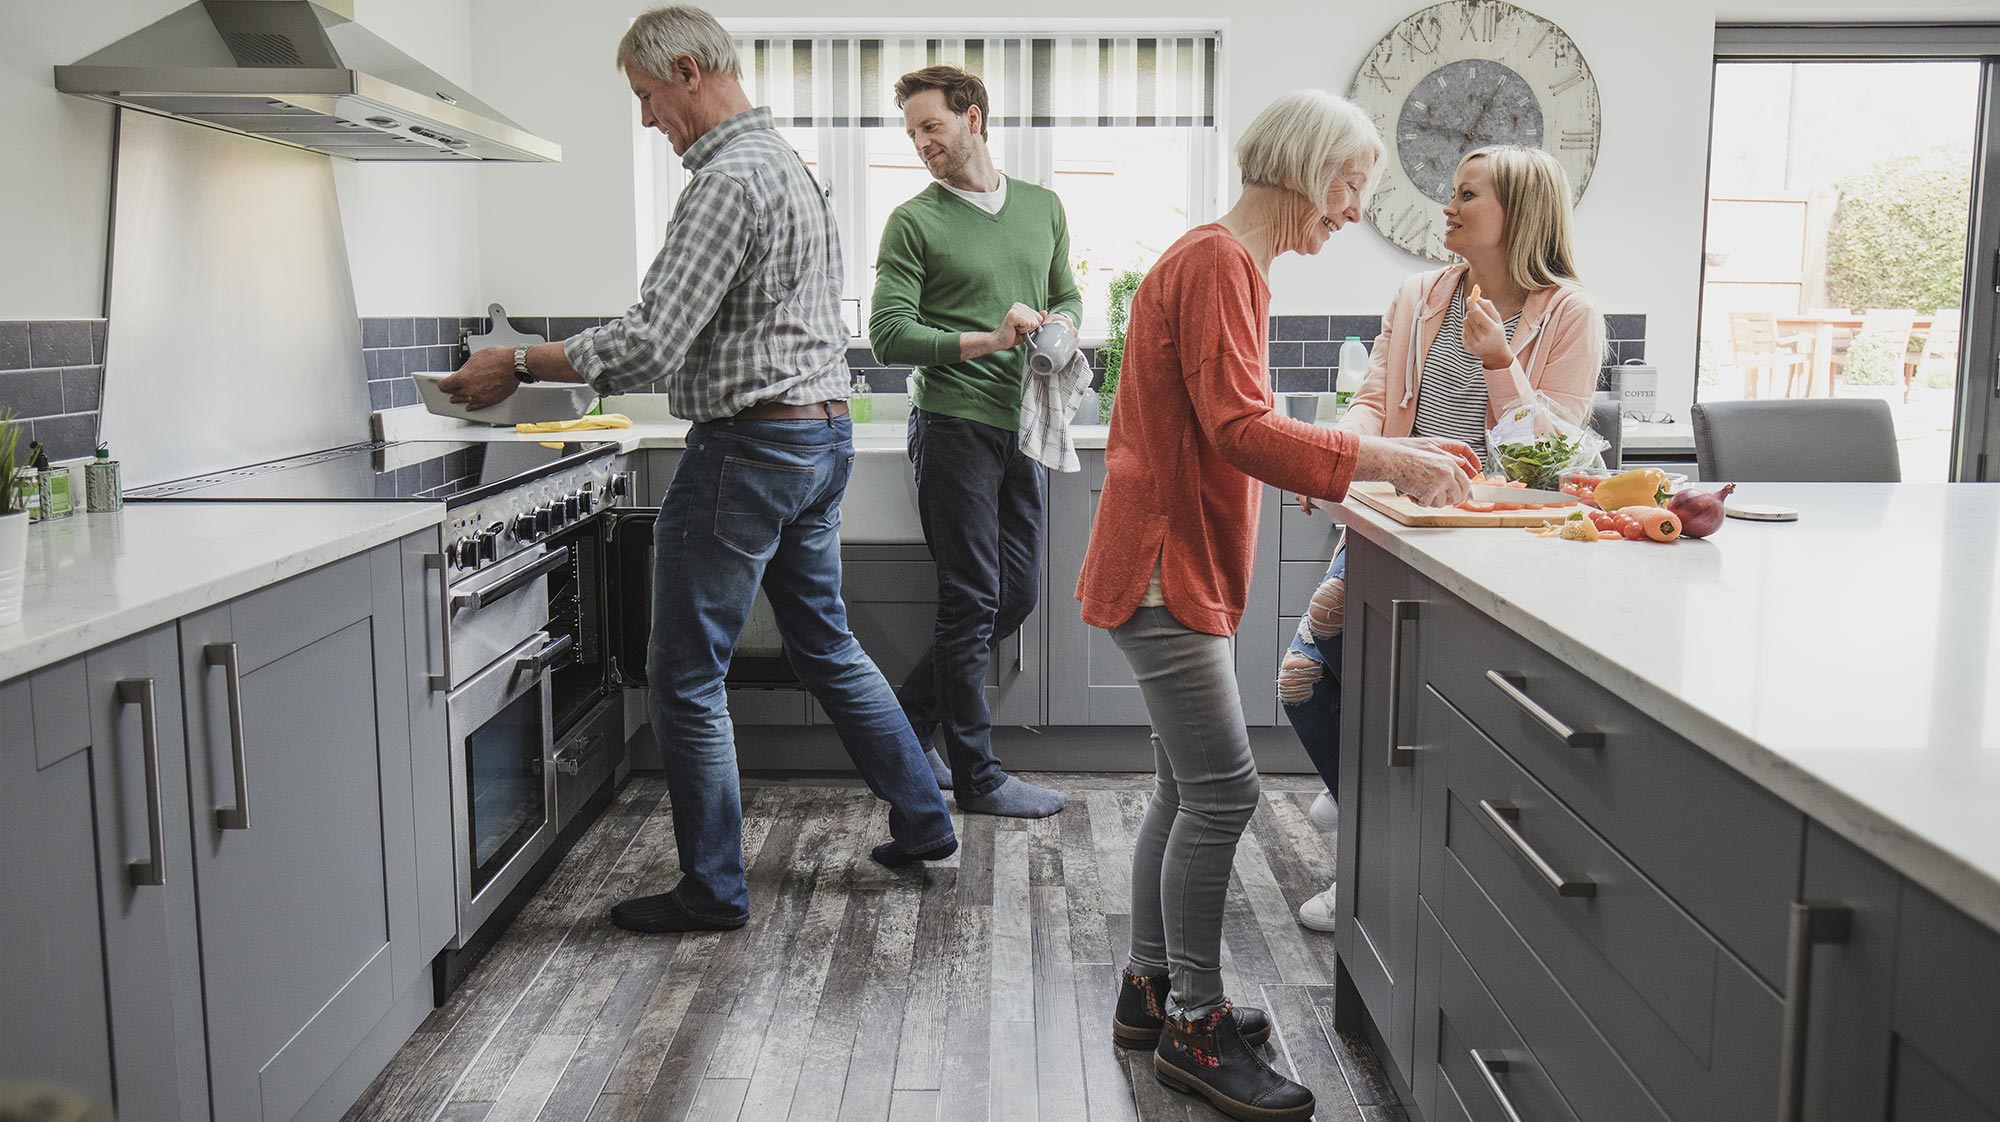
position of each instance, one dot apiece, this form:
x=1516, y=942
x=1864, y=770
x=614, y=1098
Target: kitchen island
x=1701, y=830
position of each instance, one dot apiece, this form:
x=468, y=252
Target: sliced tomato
x=1475, y=506
x=1506, y=506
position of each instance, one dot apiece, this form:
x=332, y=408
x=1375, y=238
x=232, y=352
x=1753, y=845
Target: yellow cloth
x=581, y=424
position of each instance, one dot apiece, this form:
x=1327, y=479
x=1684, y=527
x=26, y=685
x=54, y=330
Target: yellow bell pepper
x=1639, y=487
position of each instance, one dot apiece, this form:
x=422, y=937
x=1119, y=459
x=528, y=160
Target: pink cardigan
x=1558, y=349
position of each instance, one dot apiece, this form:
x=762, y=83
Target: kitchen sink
x=881, y=503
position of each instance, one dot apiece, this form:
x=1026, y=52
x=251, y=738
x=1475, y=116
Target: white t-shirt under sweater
x=988, y=201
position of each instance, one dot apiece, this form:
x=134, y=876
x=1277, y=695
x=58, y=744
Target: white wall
x=412, y=230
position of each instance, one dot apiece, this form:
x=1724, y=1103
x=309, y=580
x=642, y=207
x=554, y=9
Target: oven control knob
x=524, y=525
x=616, y=485
x=573, y=506
x=586, y=499
x=545, y=519
x=489, y=542
x=466, y=553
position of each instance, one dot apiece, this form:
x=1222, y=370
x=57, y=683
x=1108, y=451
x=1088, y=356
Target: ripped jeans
x=1309, y=676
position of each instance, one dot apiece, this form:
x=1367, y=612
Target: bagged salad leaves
x=1533, y=443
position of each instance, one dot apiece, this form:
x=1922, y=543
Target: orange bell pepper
x=1639, y=487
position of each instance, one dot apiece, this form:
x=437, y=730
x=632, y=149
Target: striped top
x=1451, y=398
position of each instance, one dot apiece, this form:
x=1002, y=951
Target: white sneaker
x=1325, y=813
x=1317, y=913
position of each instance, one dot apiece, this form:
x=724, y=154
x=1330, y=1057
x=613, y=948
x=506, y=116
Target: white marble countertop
x=1848, y=662
x=96, y=578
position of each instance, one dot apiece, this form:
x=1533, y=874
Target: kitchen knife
x=1487, y=493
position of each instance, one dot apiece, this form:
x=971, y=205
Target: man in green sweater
x=965, y=272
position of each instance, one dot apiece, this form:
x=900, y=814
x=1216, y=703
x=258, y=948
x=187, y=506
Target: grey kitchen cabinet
x=1899, y=996
x=1376, y=927
x=299, y=771
x=1095, y=686
x=1609, y=923
x=101, y=978
x=891, y=595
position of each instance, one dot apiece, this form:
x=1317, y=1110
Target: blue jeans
x=1317, y=718
x=757, y=503
x=980, y=500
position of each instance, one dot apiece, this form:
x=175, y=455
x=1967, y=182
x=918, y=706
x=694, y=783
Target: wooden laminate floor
x=977, y=988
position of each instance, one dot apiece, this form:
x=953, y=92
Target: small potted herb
x=13, y=523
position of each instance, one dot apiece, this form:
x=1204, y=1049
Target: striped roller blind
x=1065, y=80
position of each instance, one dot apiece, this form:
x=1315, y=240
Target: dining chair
x=1890, y=328
x=1609, y=423
x=1819, y=440
x=1760, y=350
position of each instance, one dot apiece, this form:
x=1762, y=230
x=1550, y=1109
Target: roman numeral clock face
x=1462, y=75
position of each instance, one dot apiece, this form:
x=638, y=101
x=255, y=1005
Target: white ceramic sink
x=880, y=507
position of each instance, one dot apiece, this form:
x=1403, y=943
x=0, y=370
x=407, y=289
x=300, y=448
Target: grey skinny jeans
x=1204, y=789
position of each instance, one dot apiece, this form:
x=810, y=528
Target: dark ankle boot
x=1208, y=1057
x=1142, y=1000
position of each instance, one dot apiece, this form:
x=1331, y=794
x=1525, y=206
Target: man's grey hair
x=662, y=35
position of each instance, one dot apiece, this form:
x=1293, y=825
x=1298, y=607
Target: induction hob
x=453, y=472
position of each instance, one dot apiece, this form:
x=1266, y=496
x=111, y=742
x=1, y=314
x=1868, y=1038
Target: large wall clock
x=1458, y=76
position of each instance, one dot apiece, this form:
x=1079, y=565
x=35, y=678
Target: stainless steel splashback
x=234, y=337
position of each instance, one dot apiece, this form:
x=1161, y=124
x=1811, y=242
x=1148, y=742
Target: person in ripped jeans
x=1309, y=693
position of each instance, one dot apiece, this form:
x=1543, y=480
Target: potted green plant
x=13, y=523
x=1123, y=287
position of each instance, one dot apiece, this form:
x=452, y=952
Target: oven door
x=759, y=661
x=502, y=788
x=576, y=611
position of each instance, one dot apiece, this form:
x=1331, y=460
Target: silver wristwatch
x=521, y=365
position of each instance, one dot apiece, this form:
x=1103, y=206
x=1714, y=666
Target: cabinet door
x=1376, y=930
x=1945, y=1033
x=55, y=1029
x=892, y=609
x=299, y=776
x=1094, y=685
x=152, y=955
x=427, y=681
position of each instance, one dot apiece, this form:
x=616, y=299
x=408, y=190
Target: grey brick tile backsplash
x=31, y=393
x=68, y=436
x=59, y=343
x=82, y=389
x=1282, y=355
x=13, y=346
x=1300, y=327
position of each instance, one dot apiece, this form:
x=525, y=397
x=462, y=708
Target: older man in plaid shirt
x=739, y=316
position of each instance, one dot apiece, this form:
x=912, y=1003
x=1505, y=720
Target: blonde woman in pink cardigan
x=1458, y=345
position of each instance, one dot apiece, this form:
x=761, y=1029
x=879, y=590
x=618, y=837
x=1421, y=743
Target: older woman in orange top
x=1193, y=439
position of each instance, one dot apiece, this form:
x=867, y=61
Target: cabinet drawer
x=1306, y=537
x=1946, y=993
x=1720, y=847
x=1694, y=1024
x=1554, y=1035
x=1484, y=1071
x=1297, y=581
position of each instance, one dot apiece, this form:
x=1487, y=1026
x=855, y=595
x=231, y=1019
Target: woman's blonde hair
x=1534, y=201
x=1303, y=140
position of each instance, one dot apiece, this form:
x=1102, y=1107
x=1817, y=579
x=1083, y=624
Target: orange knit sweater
x=1191, y=437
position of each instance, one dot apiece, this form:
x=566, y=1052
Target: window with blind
x=1120, y=124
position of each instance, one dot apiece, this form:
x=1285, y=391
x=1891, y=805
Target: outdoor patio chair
x=1760, y=350
x=1940, y=349
x=1821, y=440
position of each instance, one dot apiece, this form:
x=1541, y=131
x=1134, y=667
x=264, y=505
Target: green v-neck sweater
x=946, y=267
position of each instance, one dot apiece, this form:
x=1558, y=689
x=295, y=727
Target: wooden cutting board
x=1384, y=498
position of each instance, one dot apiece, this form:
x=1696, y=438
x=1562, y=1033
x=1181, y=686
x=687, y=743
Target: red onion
x=1700, y=512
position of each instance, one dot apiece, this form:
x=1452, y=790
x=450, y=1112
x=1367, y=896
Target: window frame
x=1028, y=153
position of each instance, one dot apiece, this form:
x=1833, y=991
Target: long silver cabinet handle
x=1488, y=1061
x=441, y=681
x=1811, y=925
x=153, y=871
x=1504, y=815
x=224, y=655
x=1511, y=684
x=1400, y=612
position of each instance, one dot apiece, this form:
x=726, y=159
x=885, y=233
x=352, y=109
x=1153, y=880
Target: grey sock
x=940, y=770
x=1015, y=798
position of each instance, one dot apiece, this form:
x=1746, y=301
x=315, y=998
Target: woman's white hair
x=1303, y=140
x=662, y=35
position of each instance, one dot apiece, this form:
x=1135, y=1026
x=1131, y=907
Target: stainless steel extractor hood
x=293, y=72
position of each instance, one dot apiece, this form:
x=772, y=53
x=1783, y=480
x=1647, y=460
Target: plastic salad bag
x=1533, y=443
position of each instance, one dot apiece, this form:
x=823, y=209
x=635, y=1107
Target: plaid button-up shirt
x=742, y=305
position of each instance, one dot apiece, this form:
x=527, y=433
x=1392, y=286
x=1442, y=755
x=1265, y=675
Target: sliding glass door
x=1849, y=198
